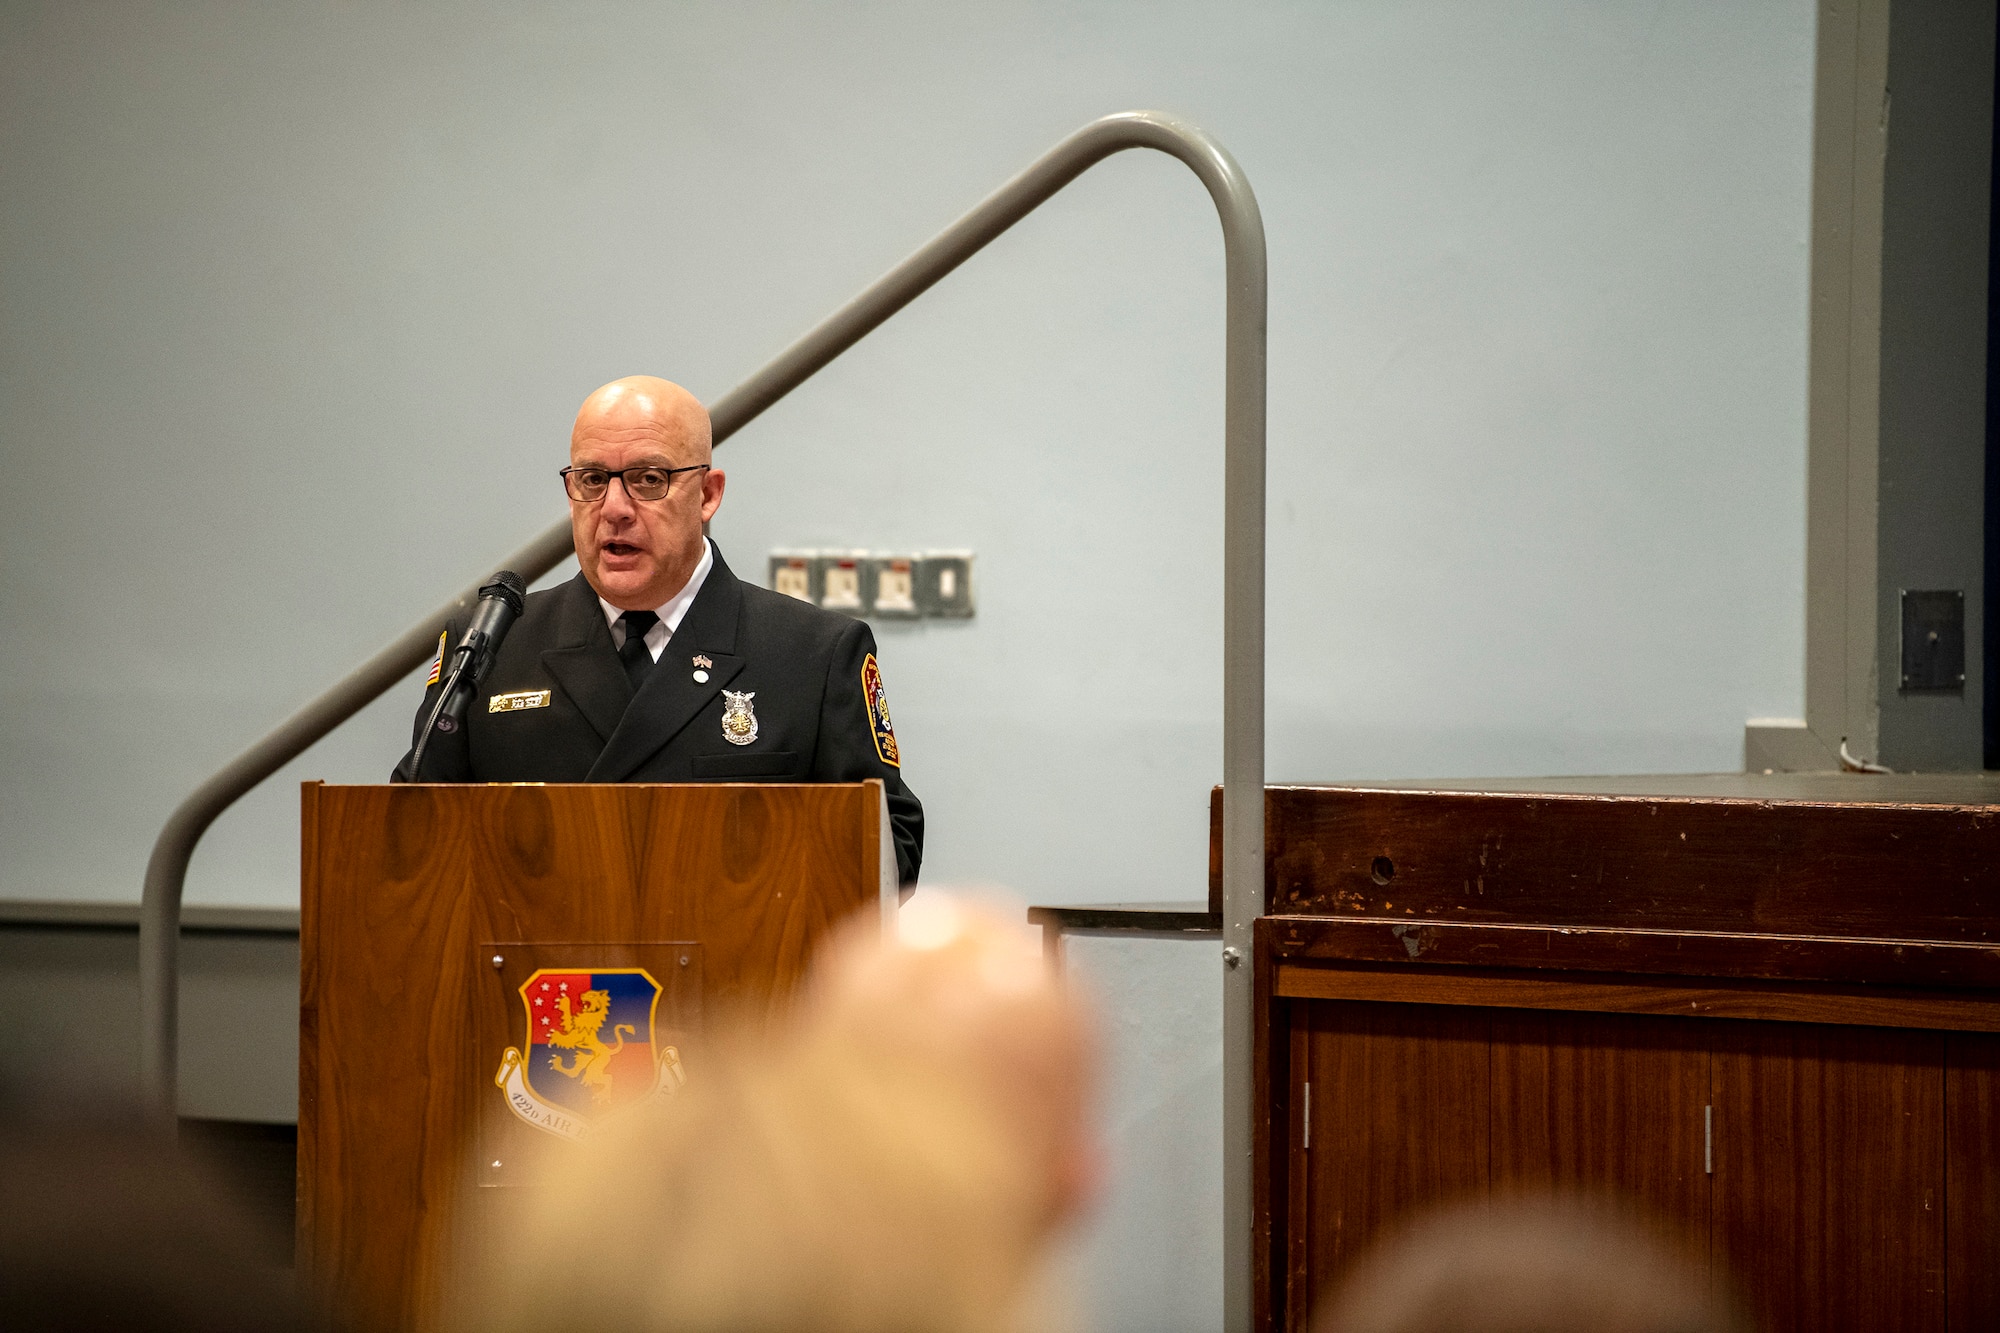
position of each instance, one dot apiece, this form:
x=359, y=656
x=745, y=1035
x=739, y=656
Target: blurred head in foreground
x=893, y=1158
x=1526, y=1266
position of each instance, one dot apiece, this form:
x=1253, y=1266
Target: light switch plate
x=794, y=573
x=891, y=587
x=876, y=585
x=944, y=584
x=840, y=577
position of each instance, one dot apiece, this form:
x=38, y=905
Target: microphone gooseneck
x=500, y=603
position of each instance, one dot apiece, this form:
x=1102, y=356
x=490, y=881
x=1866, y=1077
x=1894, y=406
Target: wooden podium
x=428, y=911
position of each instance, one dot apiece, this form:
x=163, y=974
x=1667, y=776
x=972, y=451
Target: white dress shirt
x=670, y=614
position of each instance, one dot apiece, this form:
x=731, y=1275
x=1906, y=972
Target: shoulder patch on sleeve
x=437, y=663
x=878, y=713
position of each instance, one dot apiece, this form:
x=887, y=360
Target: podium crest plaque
x=591, y=1048
x=575, y=1036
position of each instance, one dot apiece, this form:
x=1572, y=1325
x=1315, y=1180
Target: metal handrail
x=1242, y=615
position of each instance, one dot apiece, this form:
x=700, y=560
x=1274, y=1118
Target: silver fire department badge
x=739, y=719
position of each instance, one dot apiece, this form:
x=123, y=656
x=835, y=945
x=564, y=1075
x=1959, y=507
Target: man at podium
x=656, y=663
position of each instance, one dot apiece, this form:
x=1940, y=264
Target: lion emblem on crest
x=579, y=1032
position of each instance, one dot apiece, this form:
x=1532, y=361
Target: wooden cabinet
x=1829, y=1175
x=1807, y=1161
x=1400, y=1121
x=1818, y=1115
x=1972, y=1165
x=1602, y=1102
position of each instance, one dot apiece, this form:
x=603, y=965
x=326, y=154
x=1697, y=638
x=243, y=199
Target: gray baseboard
x=79, y=975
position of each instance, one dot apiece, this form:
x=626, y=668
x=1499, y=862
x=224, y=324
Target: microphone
x=500, y=603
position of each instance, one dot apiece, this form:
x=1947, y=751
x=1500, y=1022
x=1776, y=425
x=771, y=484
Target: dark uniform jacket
x=813, y=685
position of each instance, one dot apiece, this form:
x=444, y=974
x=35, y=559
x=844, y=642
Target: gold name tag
x=515, y=702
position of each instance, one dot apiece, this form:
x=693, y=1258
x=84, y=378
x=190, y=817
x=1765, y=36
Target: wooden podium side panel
x=387, y=908
x=399, y=886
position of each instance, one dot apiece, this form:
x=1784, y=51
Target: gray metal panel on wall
x=1850, y=92
x=1931, y=467
x=1895, y=476
x=1844, y=376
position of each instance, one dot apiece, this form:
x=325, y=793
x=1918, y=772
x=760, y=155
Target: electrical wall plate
x=891, y=587
x=838, y=579
x=1933, y=641
x=877, y=585
x=796, y=574
x=944, y=584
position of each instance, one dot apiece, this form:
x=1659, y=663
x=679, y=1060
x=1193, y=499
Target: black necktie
x=637, y=659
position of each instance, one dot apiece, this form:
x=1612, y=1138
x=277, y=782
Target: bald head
x=646, y=408
x=637, y=553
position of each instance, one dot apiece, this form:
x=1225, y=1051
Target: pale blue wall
x=296, y=301
x=299, y=299
x=1149, y=1260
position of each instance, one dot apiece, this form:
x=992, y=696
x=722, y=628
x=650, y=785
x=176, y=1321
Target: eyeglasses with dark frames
x=647, y=482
